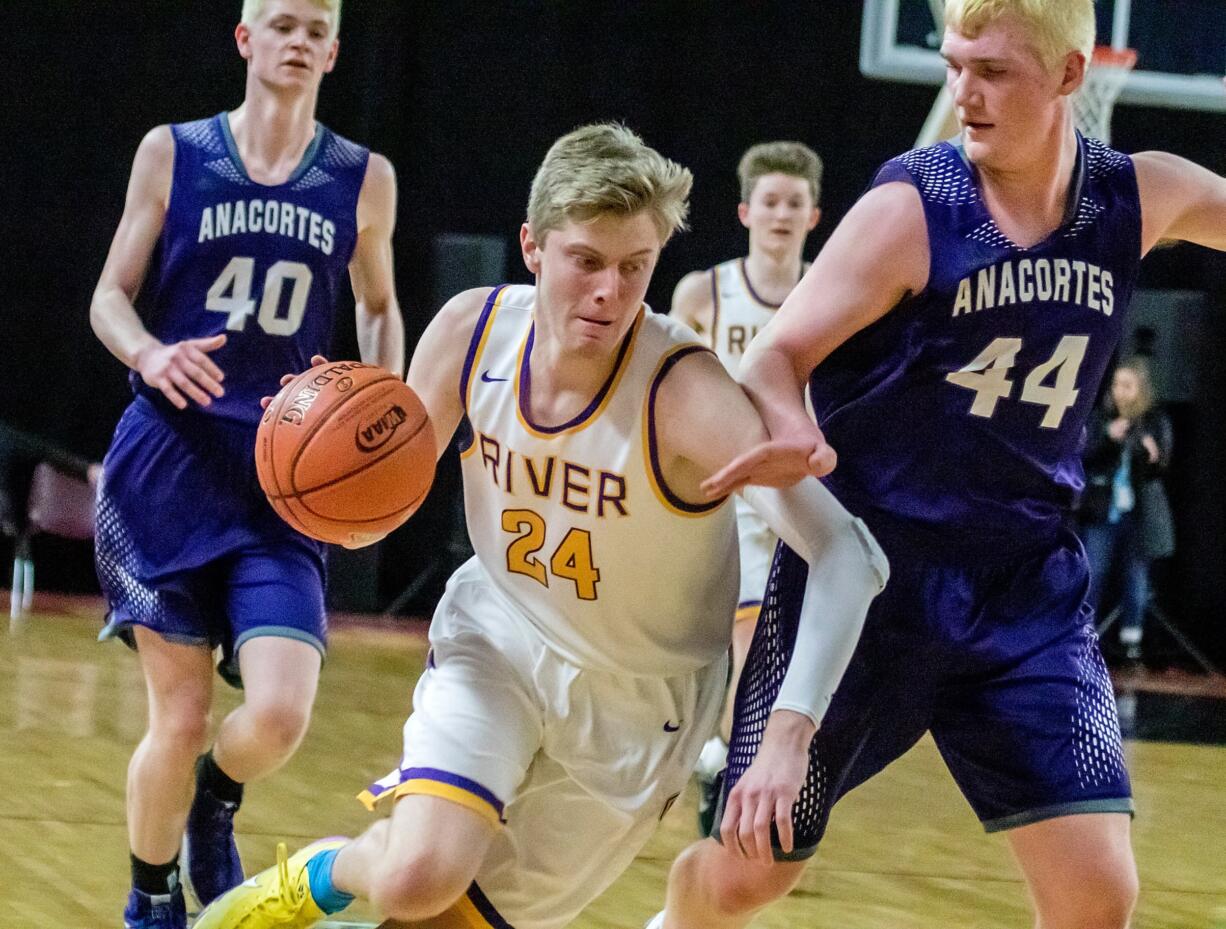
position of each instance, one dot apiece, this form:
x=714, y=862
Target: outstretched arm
x=876, y=257
x=704, y=420
x=183, y=370
x=379, y=324
x=1180, y=200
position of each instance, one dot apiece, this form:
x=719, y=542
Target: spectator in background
x=1125, y=515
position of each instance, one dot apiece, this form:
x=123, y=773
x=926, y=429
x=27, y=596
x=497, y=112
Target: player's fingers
x=286, y=378
x=187, y=386
x=732, y=476
x=207, y=363
x=745, y=832
x=762, y=828
x=211, y=344
x=783, y=823
x=198, y=375
x=169, y=392
x=317, y=360
x=264, y=401
x=730, y=824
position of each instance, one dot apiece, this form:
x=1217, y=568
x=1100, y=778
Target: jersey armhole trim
x=651, y=450
x=476, y=347
x=476, y=344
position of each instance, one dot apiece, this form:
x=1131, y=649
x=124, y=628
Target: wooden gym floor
x=903, y=852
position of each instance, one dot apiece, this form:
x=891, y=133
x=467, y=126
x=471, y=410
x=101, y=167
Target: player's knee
x=1103, y=898
x=281, y=725
x=730, y=885
x=1109, y=900
x=183, y=729
x=418, y=889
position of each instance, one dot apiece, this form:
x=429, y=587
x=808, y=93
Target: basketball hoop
x=1105, y=76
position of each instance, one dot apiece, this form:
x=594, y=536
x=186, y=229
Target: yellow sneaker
x=277, y=898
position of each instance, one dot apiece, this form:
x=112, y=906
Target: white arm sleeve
x=847, y=569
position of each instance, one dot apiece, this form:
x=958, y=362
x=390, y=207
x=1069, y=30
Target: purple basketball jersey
x=960, y=414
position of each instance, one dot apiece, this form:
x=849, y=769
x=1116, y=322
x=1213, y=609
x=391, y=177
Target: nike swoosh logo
x=669, y=727
x=485, y=376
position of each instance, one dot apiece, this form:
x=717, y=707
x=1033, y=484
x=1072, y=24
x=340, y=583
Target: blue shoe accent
x=164, y=911
x=212, y=862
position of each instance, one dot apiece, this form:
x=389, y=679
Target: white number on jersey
x=988, y=377
x=231, y=294
x=1066, y=362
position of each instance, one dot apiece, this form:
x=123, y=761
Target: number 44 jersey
x=262, y=264
x=959, y=415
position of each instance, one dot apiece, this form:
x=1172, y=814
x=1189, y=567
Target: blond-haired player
x=246, y=225
x=727, y=305
x=953, y=334
x=578, y=660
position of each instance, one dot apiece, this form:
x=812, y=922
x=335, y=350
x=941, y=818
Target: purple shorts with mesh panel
x=188, y=546
x=999, y=661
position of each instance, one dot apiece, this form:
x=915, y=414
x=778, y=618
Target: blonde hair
x=1144, y=400
x=253, y=8
x=605, y=168
x=794, y=159
x=1056, y=27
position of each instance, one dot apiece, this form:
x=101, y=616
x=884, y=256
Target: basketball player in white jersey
x=578, y=661
x=727, y=305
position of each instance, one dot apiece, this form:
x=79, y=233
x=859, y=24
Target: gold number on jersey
x=988, y=377
x=572, y=560
x=520, y=552
x=231, y=294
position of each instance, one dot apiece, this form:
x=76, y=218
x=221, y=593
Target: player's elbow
x=846, y=547
x=100, y=308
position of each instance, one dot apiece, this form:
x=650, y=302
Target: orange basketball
x=345, y=453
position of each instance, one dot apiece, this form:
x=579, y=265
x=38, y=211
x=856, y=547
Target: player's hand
x=316, y=361
x=183, y=371
x=1118, y=428
x=775, y=463
x=768, y=790
x=1150, y=446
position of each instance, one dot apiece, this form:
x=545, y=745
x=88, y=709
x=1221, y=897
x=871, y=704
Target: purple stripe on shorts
x=486, y=909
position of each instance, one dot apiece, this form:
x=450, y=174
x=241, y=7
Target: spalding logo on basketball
x=345, y=453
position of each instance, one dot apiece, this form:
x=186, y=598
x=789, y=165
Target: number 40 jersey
x=959, y=416
x=262, y=264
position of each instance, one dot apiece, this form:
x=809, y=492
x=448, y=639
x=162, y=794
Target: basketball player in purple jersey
x=245, y=225
x=954, y=332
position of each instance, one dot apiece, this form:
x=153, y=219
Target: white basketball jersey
x=575, y=523
x=738, y=312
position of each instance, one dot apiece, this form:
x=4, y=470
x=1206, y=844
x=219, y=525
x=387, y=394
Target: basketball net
x=1092, y=104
